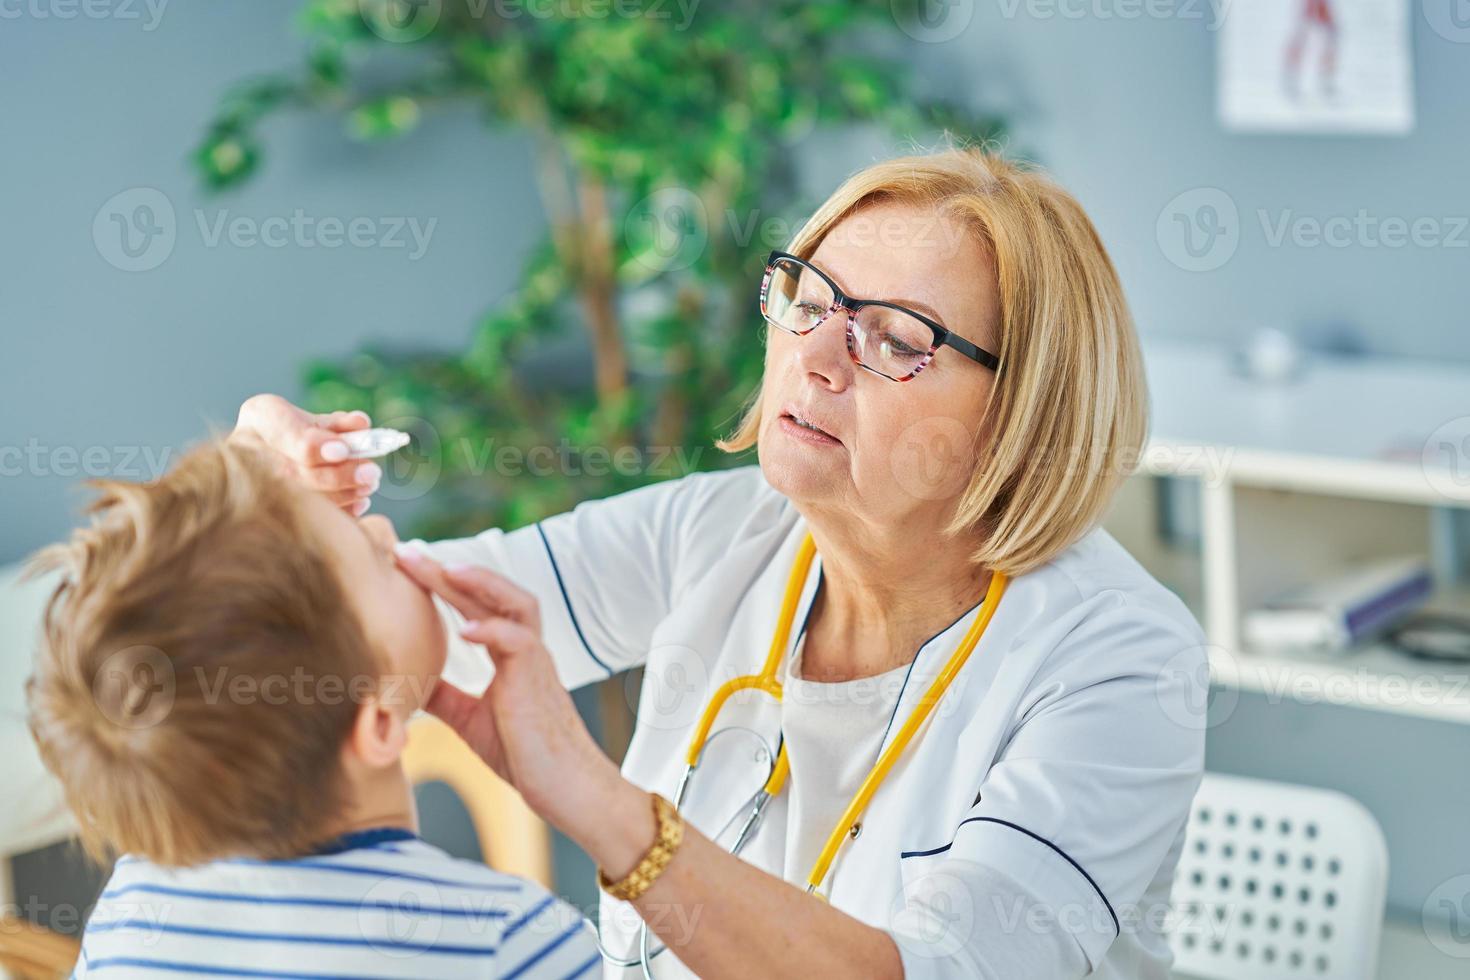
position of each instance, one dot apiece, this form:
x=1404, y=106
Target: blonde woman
x=948, y=725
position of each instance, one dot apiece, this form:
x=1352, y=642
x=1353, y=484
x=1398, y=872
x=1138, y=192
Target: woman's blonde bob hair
x=1069, y=408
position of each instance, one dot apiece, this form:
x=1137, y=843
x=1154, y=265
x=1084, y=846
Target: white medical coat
x=1063, y=759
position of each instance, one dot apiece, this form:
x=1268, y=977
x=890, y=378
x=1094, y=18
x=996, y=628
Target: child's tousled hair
x=178, y=692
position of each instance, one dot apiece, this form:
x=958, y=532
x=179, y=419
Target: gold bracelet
x=642, y=877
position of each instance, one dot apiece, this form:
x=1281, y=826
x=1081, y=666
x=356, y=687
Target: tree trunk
x=597, y=281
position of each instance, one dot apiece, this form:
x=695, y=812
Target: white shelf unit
x=1294, y=480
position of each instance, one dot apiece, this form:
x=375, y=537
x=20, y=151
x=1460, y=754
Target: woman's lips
x=812, y=437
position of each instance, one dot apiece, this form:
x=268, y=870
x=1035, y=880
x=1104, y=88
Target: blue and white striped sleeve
x=545, y=939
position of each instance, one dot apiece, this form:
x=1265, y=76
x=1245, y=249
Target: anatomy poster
x=1323, y=66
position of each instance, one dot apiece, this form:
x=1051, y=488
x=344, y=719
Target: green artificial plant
x=664, y=134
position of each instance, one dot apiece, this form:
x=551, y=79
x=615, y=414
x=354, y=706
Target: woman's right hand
x=309, y=448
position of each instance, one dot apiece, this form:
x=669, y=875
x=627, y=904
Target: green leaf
x=643, y=103
x=226, y=159
x=327, y=66
x=384, y=118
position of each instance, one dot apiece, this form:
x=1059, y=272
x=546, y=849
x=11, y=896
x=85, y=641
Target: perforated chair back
x=1278, y=882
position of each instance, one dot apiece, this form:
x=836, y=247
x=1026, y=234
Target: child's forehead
x=342, y=533
x=330, y=525
x=313, y=506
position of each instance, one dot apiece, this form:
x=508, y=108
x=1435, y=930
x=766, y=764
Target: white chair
x=1278, y=882
x=34, y=814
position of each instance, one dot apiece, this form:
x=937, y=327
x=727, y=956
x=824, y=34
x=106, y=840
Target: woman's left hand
x=525, y=725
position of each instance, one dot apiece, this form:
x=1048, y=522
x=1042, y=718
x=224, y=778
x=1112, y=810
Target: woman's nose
x=823, y=355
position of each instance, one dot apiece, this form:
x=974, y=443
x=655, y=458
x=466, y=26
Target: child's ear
x=379, y=734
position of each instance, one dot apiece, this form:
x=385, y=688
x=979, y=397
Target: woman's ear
x=379, y=734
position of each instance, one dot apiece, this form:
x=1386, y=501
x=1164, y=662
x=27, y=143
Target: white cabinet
x=1357, y=459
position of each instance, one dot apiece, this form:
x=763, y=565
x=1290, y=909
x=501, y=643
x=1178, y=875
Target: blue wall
x=97, y=359
x=1123, y=111
x=107, y=361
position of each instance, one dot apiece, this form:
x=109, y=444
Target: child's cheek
x=438, y=641
x=429, y=640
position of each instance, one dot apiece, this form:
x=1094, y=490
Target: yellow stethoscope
x=767, y=682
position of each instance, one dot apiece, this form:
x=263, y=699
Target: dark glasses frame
x=943, y=337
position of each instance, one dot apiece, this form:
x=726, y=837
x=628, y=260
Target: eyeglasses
x=887, y=339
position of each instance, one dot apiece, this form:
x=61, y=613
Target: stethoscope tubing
x=766, y=681
x=755, y=804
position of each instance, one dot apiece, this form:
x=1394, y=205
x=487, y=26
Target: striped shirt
x=377, y=904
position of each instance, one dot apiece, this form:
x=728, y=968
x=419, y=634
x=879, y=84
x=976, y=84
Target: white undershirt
x=833, y=732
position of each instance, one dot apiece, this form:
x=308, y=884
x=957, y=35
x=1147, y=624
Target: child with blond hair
x=228, y=668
